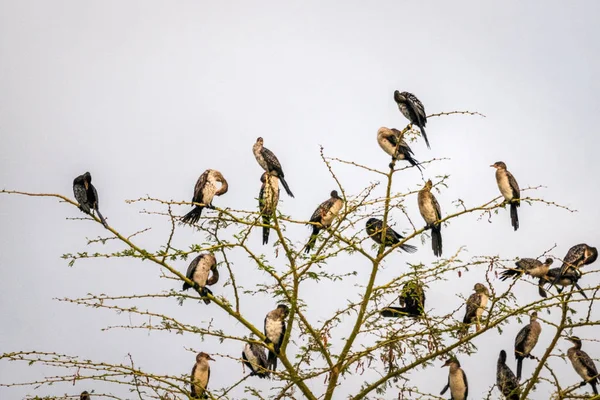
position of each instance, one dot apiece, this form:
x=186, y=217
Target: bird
x=554, y=278
x=413, y=110
x=527, y=266
x=204, y=192
x=269, y=162
x=431, y=213
x=412, y=299
x=198, y=272
x=506, y=380
x=457, y=380
x=200, y=375
x=84, y=395
x=583, y=364
x=87, y=196
x=578, y=256
x=510, y=190
x=392, y=142
x=392, y=238
x=476, y=303
x=526, y=340
x=323, y=217
x=267, y=201
x=274, y=332
x=255, y=358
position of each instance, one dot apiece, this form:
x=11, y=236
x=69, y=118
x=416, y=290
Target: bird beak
x=210, y=358
x=493, y=166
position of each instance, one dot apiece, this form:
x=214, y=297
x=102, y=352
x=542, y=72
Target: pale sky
x=146, y=95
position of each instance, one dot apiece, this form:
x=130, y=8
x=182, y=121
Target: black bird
x=476, y=304
x=578, y=256
x=204, y=192
x=84, y=395
x=375, y=232
x=275, y=331
x=255, y=358
x=413, y=110
x=269, y=162
x=431, y=213
x=526, y=340
x=510, y=191
x=198, y=272
x=267, y=200
x=457, y=380
x=87, y=195
x=527, y=266
x=506, y=380
x=554, y=278
x=412, y=300
x=583, y=364
x=392, y=143
x=200, y=376
x=323, y=217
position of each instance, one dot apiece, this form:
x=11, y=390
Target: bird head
x=84, y=395
x=428, y=185
x=283, y=309
x=549, y=261
x=534, y=316
x=450, y=361
x=203, y=356
x=224, y=186
x=263, y=177
x=593, y=255
x=502, y=357
x=498, y=165
x=480, y=288
x=334, y=194
x=399, y=97
x=259, y=140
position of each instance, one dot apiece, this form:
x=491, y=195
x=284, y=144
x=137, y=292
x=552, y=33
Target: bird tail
x=408, y=248
x=396, y=312
x=594, y=382
x=266, y=221
x=193, y=216
x=272, y=361
x=510, y=273
x=312, y=240
x=203, y=292
x=286, y=187
x=514, y=216
x=519, y=367
x=425, y=136
x=436, y=240
x=580, y=290
x=101, y=218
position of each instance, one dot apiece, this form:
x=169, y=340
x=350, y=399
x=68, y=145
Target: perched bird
x=198, y=272
x=269, y=162
x=431, y=213
x=578, y=256
x=412, y=300
x=457, y=380
x=526, y=340
x=84, y=395
x=510, y=190
x=255, y=358
x=554, y=278
x=527, y=266
x=323, y=217
x=476, y=303
x=413, y=110
x=200, y=375
x=267, y=200
x=506, y=380
x=87, y=195
x=583, y=364
x=392, y=143
x=375, y=232
x=275, y=331
x=204, y=192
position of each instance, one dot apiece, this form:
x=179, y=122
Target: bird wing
x=260, y=354
x=282, y=335
x=261, y=197
x=574, y=256
x=521, y=337
x=473, y=303
x=587, y=362
x=436, y=205
x=192, y=267
x=193, y=391
x=80, y=194
x=417, y=108
x=393, y=139
x=200, y=183
x=514, y=185
x=272, y=161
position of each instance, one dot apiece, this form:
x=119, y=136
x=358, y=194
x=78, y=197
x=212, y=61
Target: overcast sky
x=146, y=95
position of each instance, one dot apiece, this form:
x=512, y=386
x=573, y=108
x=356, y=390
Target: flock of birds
x=203, y=272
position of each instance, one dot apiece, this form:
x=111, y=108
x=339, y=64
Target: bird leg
x=582, y=384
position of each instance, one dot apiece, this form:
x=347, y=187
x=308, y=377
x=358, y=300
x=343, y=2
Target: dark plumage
x=510, y=191
x=200, y=376
x=578, y=256
x=255, y=359
x=457, y=380
x=84, y=395
x=413, y=110
x=198, y=272
x=275, y=332
x=204, y=192
x=267, y=200
x=269, y=162
x=526, y=340
x=506, y=380
x=583, y=364
x=375, y=232
x=391, y=141
x=554, y=278
x=527, y=266
x=412, y=300
x=87, y=196
x=476, y=304
x=323, y=217
x=431, y=213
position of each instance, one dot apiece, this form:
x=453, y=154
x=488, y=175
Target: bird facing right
x=391, y=141
x=431, y=213
x=476, y=304
x=577, y=256
x=204, y=192
x=506, y=380
x=87, y=195
x=412, y=300
x=526, y=340
x=200, y=375
x=509, y=188
x=583, y=364
x=323, y=217
x=198, y=272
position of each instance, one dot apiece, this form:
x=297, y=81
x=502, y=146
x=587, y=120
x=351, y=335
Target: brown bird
x=323, y=217
x=267, y=200
x=204, y=192
x=583, y=364
x=527, y=266
x=269, y=162
x=476, y=303
x=391, y=141
x=457, y=380
x=200, y=375
x=431, y=213
x=506, y=380
x=526, y=340
x=510, y=191
x=198, y=272
x=577, y=256
x=84, y=395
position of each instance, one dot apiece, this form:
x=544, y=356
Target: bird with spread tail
x=204, y=192
x=506, y=380
x=275, y=332
x=509, y=188
x=200, y=376
x=87, y=196
x=198, y=272
x=413, y=110
x=527, y=266
x=269, y=162
x=392, y=142
x=255, y=359
x=375, y=231
x=526, y=340
x=457, y=380
x=476, y=304
x=323, y=217
x=577, y=256
x=554, y=278
x=583, y=364
x=267, y=201
x=431, y=213
x=412, y=300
